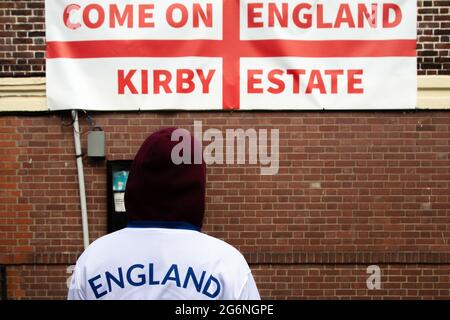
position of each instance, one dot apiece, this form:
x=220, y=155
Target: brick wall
x=349, y=282
x=22, y=38
x=354, y=188
x=433, y=37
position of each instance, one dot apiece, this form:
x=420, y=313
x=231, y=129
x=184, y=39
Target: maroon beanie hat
x=159, y=190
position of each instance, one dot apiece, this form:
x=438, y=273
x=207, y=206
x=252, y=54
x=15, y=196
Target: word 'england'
x=145, y=275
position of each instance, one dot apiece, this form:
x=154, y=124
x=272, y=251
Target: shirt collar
x=163, y=224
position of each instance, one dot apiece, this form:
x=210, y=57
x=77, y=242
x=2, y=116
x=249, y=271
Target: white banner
x=231, y=54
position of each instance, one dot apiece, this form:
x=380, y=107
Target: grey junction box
x=96, y=143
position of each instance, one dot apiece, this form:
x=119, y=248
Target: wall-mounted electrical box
x=96, y=143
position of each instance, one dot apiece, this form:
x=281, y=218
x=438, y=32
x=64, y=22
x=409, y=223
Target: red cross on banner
x=271, y=55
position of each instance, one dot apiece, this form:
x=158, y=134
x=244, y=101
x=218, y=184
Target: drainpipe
x=78, y=154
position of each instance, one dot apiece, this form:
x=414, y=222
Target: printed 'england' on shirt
x=148, y=262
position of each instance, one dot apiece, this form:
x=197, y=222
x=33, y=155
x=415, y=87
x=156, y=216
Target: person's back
x=162, y=254
x=162, y=262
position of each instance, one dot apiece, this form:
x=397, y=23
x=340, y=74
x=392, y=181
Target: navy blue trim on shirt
x=163, y=224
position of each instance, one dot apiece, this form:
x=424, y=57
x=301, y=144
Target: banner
x=231, y=54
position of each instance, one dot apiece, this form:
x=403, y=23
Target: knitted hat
x=159, y=190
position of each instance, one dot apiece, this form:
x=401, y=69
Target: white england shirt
x=166, y=261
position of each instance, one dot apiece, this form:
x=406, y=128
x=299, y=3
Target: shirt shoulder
x=222, y=248
x=102, y=244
